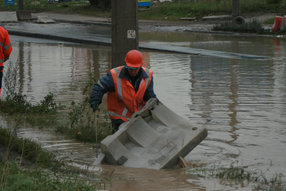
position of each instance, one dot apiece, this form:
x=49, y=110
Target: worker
x=128, y=86
x=5, y=51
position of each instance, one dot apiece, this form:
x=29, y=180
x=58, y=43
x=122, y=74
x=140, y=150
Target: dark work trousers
x=115, y=124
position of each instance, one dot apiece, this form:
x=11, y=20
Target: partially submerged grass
x=240, y=175
x=34, y=180
x=17, y=103
x=26, y=148
x=43, y=172
x=77, y=121
x=17, y=106
x=40, y=114
x=81, y=124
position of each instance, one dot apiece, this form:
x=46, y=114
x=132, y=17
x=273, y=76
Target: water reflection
x=242, y=102
x=234, y=87
x=58, y=68
x=253, y=45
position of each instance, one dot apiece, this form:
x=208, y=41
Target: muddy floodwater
x=241, y=101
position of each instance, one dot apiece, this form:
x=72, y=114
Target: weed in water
x=26, y=148
x=81, y=124
x=16, y=103
x=240, y=175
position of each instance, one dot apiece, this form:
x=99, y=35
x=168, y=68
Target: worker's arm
x=104, y=84
x=150, y=92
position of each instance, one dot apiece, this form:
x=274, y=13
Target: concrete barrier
x=24, y=15
x=217, y=17
x=6, y=16
x=154, y=138
x=44, y=20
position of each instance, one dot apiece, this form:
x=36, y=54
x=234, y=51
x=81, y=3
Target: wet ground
x=241, y=100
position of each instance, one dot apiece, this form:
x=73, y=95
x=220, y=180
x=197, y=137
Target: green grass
x=170, y=11
x=35, y=180
x=176, y=10
x=17, y=103
x=41, y=174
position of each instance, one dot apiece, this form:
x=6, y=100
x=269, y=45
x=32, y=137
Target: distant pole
x=21, y=5
x=235, y=8
x=124, y=29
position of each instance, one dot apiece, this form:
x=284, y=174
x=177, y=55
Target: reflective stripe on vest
x=115, y=114
x=120, y=96
x=119, y=84
x=5, y=47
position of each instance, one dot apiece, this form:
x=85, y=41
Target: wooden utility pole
x=236, y=17
x=124, y=29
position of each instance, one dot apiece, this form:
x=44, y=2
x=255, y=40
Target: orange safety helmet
x=134, y=59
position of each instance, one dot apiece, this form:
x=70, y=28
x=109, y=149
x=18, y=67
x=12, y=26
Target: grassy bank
x=169, y=11
x=24, y=165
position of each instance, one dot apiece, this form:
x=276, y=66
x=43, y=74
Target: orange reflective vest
x=124, y=101
x=5, y=46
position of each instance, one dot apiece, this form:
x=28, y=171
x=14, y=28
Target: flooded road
x=242, y=102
